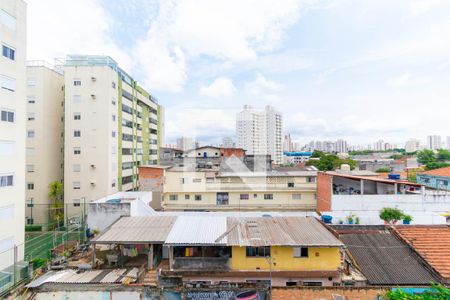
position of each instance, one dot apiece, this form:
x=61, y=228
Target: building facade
x=12, y=131
x=260, y=132
x=434, y=142
x=45, y=138
x=412, y=145
x=438, y=179
x=112, y=126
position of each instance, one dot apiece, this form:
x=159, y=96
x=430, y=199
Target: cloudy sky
x=359, y=70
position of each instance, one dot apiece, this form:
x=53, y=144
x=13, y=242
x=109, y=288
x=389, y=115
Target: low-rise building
x=438, y=179
x=296, y=157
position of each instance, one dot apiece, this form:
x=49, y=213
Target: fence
x=13, y=269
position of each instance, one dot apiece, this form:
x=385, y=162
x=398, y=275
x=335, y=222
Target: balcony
x=201, y=264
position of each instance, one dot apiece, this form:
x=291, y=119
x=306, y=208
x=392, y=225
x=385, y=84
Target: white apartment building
x=227, y=142
x=112, y=126
x=448, y=142
x=259, y=132
x=341, y=146
x=434, y=142
x=185, y=143
x=12, y=132
x=288, y=146
x=45, y=141
x=412, y=145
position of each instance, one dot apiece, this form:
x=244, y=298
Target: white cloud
x=221, y=87
x=60, y=27
x=261, y=85
x=406, y=79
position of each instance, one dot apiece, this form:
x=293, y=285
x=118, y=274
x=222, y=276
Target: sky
x=351, y=69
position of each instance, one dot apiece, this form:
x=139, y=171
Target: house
x=438, y=179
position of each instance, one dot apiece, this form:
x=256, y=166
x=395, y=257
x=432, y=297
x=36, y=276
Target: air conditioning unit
x=93, y=166
x=93, y=78
x=93, y=96
x=93, y=182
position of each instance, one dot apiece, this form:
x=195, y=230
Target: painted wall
x=283, y=259
x=435, y=182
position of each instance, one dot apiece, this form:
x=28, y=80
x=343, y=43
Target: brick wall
x=310, y=293
x=227, y=152
x=324, y=191
x=151, y=179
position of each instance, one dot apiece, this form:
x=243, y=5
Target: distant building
x=227, y=142
x=287, y=143
x=448, y=142
x=434, y=142
x=341, y=146
x=260, y=132
x=296, y=157
x=437, y=179
x=412, y=145
x=186, y=143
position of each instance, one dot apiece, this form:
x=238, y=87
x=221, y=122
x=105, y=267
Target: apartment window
x=76, y=185
x=7, y=83
x=113, y=134
x=113, y=118
x=76, y=82
x=312, y=283
x=6, y=180
x=113, y=184
x=77, y=116
x=268, y=196
x=30, y=221
x=30, y=134
x=244, y=197
x=257, y=251
x=7, y=20
x=113, y=85
x=31, y=99
x=198, y=197
x=113, y=101
x=76, y=167
x=31, y=81
x=255, y=195
x=311, y=179
x=30, y=186
x=76, y=133
x=9, y=52
x=7, y=116
x=76, y=150
x=187, y=197
x=30, y=151
x=196, y=180
x=290, y=184
x=31, y=116
x=173, y=197
x=76, y=98
x=222, y=198
x=30, y=168
x=300, y=252
x=296, y=196
x=183, y=180
x=76, y=202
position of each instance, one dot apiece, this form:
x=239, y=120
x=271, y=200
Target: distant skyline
x=356, y=70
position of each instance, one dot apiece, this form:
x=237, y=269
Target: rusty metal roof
x=281, y=231
x=142, y=229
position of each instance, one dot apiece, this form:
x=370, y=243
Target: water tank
x=345, y=167
x=394, y=176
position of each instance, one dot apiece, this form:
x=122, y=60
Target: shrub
x=437, y=292
x=30, y=228
x=391, y=215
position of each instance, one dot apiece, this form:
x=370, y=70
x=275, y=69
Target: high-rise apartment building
x=412, y=145
x=227, y=142
x=112, y=125
x=45, y=138
x=186, y=143
x=434, y=142
x=12, y=132
x=259, y=132
x=341, y=146
x=288, y=146
x=448, y=142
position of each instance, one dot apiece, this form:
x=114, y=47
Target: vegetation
x=365, y=152
x=436, y=165
x=30, y=228
x=38, y=262
x=391, y=215
x=328, y=162
x=383, y=170
x=443, y=154
x=437, y=292
x=55, y=194
x=426, y=156
x=407, y=218
x=397, y=156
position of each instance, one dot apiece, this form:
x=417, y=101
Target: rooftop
x=374, y=179
x=442, y=172
x=432, y=243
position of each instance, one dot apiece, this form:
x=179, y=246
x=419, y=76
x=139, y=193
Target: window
x=30, y=151
x=312, y=283
x=255, y=195
x=244, y=197
x=31, y=116
x=76, y=185
x=76, y=133
x=113, y=134
x=113, y=101
x=76, y=202
x=77, y=116
x=7, y=20
x=290, y=184
x=183, y=180
x=296, y=196
x=300, y=252
x=442, y=182
x=198, y=197
x=7, y=116
x=311, y=179
x=173, y=197
x=113, y=184
x=113, y=85
x=30, y=221
x=222, y=198
x=30, y=186
x=187, y=197
x=7, y=83
x=9, y=52
x=76, y=98
x=113, y=118
x=76, y=150
x=31, y=99
x=30, y=168
x=6, y=180
x=76, y=167
x=30, y=134
x=76, y=82
x=268, y=196
x=196, y=180
x=257, y=251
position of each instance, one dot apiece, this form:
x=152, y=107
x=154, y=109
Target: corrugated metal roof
x=282, y=231
x=197, y=230
x=142, y=229
x=385, y=260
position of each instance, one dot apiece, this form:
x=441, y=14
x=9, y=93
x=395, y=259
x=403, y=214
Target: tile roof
x=286, y=231
x=432, y=242
x=443, y=172
x=386, y=260
x=140, y=229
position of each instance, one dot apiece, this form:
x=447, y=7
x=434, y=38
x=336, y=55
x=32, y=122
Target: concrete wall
x=434, y=182
x=137, y=294
x=101, y=215
x=327, y=293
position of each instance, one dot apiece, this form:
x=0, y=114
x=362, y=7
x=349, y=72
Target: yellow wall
x=283, y=259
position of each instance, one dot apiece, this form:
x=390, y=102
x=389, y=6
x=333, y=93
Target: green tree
x=436, y=165
x=426, y=156
x=390, y=215
x=383, y=170
x=327, y=163
x=55, y=193
x=443, y=154
x=317, y=154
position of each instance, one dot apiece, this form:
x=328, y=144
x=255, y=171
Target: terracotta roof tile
x=432, y=243
x=443, y=172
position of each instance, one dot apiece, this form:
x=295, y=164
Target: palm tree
x=55, y=193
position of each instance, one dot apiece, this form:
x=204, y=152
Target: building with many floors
x=260, y=132
x=12, y=134
x=112, y=126
x=45, y=138
x=412, y=145
x=434, y=142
